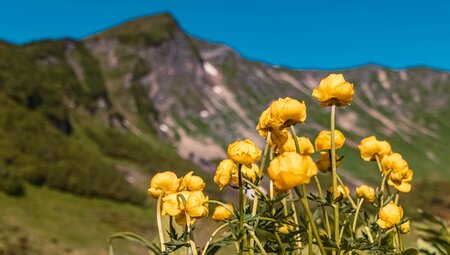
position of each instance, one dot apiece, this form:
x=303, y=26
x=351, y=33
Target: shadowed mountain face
x=144, y=92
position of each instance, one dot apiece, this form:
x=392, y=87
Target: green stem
x=397, y=195
x=348, y=195
x=220, y=203
x=256, y=198
x=356, y=215
x=252, y=233
x=158, y=220
x=297, y=149
x=193, y=248
x=334, y=176
x=400, y=241
x=294, y=210
x=283, y=251
x=256, y=189
x=213, y=235
x=310, y=237
x=241, y=209
x=305, y=204
x=324, y=210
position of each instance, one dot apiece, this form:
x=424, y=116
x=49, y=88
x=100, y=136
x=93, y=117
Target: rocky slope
x=201, y=96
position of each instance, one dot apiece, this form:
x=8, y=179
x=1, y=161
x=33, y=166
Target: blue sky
x=298, y=34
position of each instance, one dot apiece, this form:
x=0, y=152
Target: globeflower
x=324, y=162
x=393, y=163
x=280, y=114
x=290, y=169
x=405, y=228
x=305, y=145
x=172, y=204
x=223, y=173
x=323, y=140
x=366, y=192
x=334, y=90
x=195, y=205
x=285, y=229
x=389, y=215
x=180, y=219
x=341, y=190
x=244, y=152
x=249, y=172
x=401, y=179
x=166, y=182
x=370, y=147
x=221, y=213
x=191, y=182
x=287, y=112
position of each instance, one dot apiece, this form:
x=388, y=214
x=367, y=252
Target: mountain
x=98, y=117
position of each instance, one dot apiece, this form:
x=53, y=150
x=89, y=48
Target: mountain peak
x=154, y=27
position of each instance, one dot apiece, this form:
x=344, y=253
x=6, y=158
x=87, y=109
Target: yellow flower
x=290, y=169
x=324, y=162
x=401, y=179
x=278, y=138
x=334, y=90
x=172, y=204
x=221, y=213
x=195, y=206
x=341, y=190
x=166, y=182
x=285, y=229
x=305, y=145
x=393, y=163
x=224, y=172
x=405, y=228
x=370, y=146
x=389, y=215
x=264, y=123
x=368, y=193
x=323, y=140
x=287, y=111
x=244, y=152
x=281, y=114
x=247, y=172
x=180, y=219
x=191, y=182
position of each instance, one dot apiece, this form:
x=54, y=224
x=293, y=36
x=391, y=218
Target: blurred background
x=98, y=96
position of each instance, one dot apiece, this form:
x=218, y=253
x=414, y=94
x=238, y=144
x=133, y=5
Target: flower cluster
x=181, y=198
x=393, y=166
x=288, y=159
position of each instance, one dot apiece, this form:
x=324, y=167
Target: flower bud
x=405, y=228
x=324, y=162
x=341, y=190
x=366, y=192
x=221, y=213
